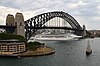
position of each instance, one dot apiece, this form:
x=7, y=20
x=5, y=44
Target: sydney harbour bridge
x=49, y=20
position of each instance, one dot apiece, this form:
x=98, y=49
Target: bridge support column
x=19, y=22
x=84, y=31
x=9, y=22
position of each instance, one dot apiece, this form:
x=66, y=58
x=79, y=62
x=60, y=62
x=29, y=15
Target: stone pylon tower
x=10, y=20
x=19, y=22
x=84, y=31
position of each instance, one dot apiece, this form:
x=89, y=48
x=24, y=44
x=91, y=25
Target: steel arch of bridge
x=37, y=22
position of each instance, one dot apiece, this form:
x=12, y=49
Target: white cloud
x=85, y=11
x=90, y=22
x=5, y=11
x=76, y=5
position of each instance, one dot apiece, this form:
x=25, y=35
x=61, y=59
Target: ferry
x=56, y=37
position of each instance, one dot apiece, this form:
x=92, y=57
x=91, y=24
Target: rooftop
x=10, y=41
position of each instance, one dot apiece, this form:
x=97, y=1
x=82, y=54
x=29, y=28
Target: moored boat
x=68, y=36
x=88, y=50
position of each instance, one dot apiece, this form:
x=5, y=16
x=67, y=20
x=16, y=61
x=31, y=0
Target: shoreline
x=42, y=51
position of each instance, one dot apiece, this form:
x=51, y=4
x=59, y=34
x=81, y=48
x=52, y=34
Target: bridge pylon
x=19, y=22
x=9, y=22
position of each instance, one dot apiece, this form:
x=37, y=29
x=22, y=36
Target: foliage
x=88, y=34
x=6, y=36
x=99, y=35
x=34, y=45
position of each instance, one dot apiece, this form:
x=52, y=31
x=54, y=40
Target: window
x=20, y=24
x=6, y=23
x=3, y=48
x=21, y=48
x=15, y=23
x=12, y=48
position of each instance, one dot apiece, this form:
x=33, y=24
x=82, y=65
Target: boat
x=56, y=37
x=88, y=50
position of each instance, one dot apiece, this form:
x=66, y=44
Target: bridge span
x=49, y=20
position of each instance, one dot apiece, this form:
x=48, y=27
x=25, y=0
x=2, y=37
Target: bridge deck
x=5, y=26
x=69, y=28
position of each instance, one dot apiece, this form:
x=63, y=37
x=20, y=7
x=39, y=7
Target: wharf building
x=10, y=47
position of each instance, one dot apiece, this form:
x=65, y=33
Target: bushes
x=7, y=36
x=34, y=45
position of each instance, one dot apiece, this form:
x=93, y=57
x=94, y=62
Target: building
x=11, y=47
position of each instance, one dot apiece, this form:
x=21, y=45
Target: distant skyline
x=86, y=12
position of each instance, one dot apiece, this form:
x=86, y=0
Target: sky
x=86, y=12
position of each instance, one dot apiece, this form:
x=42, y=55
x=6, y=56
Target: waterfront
x=67, y=53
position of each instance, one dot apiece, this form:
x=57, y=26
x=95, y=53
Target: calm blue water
x=76, y=56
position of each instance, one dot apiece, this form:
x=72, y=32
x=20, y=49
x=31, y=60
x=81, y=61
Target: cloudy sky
x=84, y=11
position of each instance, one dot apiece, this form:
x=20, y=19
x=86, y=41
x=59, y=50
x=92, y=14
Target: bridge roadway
x=13, y=27
x=7, y=27
x=68, y=28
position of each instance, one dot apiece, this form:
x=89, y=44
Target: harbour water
x=67, y=53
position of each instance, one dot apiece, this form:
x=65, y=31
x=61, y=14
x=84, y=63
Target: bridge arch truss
x=37, y=22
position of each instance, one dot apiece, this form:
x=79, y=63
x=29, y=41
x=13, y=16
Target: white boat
x=68, y=36
x=88, y=50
